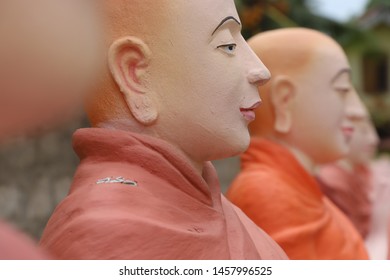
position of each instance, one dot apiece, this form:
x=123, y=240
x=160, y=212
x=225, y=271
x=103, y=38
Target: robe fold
x=351, y=192
x=138, y=197
x=282, y=198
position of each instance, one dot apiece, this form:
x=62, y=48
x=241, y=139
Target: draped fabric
x=138, y=197
x=351, y=192
x=282, y=198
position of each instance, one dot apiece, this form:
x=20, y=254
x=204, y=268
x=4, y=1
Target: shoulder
x=119, y=223
x=260, y=184
x=269, y=197
x=90, y=217
x=333, y=177
x=266, y=246
x=102, y=235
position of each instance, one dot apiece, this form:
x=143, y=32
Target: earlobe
x=129, y=59
x=282, y=95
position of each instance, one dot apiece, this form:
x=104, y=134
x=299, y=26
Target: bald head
x=141, y=18
x=164, y=30
x=175, y=64
x=305, y=103
x=144, y=19
x=288, y=52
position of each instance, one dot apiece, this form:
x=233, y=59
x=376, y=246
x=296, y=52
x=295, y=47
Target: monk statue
x=348, y=183
x=302, y=123
x=180, y=90
x=48, y=57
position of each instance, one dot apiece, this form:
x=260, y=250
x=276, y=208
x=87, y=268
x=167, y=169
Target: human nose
x=258, y=73
x=374, y=136
x=259, y=76
x=353, y=106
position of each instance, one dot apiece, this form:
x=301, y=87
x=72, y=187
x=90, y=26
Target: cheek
x=218, y=81
x=355, y=145
x=336, y=110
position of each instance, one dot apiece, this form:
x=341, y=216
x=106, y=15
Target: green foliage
x=375, y=3
x=273, y=14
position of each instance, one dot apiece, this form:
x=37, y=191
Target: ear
x=129, y=59
x=282, y=95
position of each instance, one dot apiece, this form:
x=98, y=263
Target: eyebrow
x=342, y=71
x=225, y=20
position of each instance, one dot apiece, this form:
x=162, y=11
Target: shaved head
x=174, y=64
x=141, y=18
x=289, y=50
x=286, y=52
x=145, y=19
x=309, y=101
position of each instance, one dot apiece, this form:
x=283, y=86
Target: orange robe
x=16, y=246
x=351, y=191
x=137, y=197
x=278, y=194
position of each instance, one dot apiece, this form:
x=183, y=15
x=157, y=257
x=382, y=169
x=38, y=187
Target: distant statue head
x=182, y=72
x=49, y=55
x=364, y=141
x=306, y=102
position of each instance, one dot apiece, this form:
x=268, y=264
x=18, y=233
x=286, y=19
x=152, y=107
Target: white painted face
x=207, y=78
x=321, y=125
x=48, y=57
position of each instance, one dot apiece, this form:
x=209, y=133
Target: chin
x=331, y=154
x=240, y=146
x=339, y=149
x=338, y=154
x=233, y=148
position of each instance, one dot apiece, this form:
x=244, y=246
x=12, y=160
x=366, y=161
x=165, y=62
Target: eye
x=228, y=48
x=343, y=91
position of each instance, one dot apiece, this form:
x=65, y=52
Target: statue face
x=48, y=56
x=322, y=126
x=364, y=141
x=207, y=77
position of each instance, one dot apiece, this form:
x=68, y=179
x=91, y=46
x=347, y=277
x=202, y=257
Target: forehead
x=330, y=60
x=202, y=15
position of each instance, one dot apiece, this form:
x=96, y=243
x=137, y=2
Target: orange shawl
x=137, y=197
x=276, y=192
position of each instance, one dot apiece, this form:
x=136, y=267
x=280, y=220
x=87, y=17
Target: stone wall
x=35, y=175
x=227, y=170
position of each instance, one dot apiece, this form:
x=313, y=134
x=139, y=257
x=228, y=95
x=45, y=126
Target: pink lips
x=348, y=131
x=249, y=113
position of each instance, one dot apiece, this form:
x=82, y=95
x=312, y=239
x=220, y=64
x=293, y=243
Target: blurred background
x=35, y=174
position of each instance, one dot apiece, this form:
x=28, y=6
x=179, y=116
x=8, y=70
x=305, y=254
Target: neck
x=346, y=165
x=304, y=160
x=300, y=156
x=197, y=165
x=129, y=125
